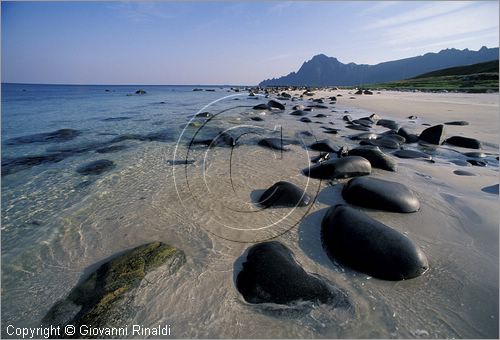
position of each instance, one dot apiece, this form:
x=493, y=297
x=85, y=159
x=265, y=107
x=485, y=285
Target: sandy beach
x=208, y=209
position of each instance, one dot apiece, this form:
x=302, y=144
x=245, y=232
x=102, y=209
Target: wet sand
x=208, y=210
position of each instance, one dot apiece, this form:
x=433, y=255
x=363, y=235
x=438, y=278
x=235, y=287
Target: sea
x=175, y=178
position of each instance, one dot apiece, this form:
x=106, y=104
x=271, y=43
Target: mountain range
x=322, y=70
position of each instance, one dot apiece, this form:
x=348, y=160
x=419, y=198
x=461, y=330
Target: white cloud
x=452, y=25
x=428, y=10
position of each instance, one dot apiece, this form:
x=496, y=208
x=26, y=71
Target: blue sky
x=225, y=42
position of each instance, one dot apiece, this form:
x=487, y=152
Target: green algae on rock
x=99, y=299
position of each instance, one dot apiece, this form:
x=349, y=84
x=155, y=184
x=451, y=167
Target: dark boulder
x=270, y=274
x=284, y=194
x=380, y=194
x=273, y=103
x=367, y=92
x=433, y=134
x=96, y=167
x=305, y=120
x=357, y=240
x=464, y=142
x=257, y=119
x=377, y=158
x=350, y=166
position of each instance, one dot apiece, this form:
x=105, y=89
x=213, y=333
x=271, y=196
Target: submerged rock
x=284, y=194
x=96, y=167
x=112, y=148
x=377, y=158
x=13, y=165
x=380, y=194
x=464, y=142
x=345, y=167
x=270, y=274
x=305, y=120
x=433, y=134
x=371, y=247
x=98, y=300
x=61, y=135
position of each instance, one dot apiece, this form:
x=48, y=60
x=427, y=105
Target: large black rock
x=273, y=103
x=364, y=244
x=284, y=194
x=345, y=167
x=271, y=275
x=433, y=134
x=464, y=142
x=380, y=194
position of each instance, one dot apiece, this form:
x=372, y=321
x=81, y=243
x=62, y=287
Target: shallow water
x=57, y=224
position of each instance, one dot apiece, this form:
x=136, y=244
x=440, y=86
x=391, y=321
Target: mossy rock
x=96, y=299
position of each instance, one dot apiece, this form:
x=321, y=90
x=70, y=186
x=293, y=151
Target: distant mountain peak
x=322, y=70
